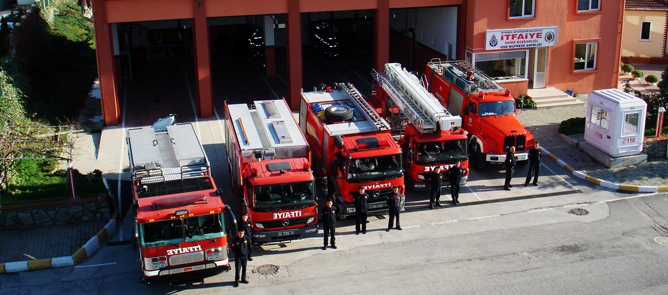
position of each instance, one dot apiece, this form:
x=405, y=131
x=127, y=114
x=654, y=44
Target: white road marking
x=483, y=217
x=539, y=210
x=267, y=82
x=436, y=223
x=631, y=197
x=574, y=205
x=452, y=221
x=95, y=265
x=120, y=164
x=476, y=195
x=412, y=226
x=557, y=175
x=192, y=101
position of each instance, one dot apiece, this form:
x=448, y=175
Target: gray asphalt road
x=542, y=251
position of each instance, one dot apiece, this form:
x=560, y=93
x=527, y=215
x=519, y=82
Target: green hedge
x=572, y=126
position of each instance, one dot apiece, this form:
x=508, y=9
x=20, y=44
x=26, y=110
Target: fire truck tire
x=338, y=113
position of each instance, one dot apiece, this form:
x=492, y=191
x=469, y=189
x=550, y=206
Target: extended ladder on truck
x=363, y=105
x=161, y=157
x=418, y=105
x=464, y=76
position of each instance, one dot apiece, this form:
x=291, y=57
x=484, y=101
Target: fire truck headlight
x=350, y=210
x=310, y=220
x=153, y=263
x=420, y=176
x=214, y=253
x=259, y=225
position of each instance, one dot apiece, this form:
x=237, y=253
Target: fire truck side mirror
x=338, y=141
x=219, y=192
x=233, y=220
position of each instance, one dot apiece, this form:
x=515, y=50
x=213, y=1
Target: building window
x=589, y=5
x=599, y=117
x=522, y=8
x=502, y=65
x=645, y=30
x=585, y=56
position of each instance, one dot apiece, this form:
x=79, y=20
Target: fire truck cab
x=487, y=109
x=180, y=222
x=429, y=135
x=353, y=146
x=270, y=168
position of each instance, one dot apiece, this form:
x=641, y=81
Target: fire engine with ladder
x=180, y=222
x=429, y=135
x=270, y=168
x=487, y=109
x=352, y=146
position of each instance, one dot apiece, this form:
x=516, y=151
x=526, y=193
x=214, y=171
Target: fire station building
x=524, y=44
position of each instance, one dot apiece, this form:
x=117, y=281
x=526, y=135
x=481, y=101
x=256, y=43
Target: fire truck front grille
x=290, y=222
x=510, y=141
x=521, y=142
x=381, y=196
x=186, y=258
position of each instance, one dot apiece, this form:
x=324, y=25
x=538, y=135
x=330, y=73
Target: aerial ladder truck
x=429, y=135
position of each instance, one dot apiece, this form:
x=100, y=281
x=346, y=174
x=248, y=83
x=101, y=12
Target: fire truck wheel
x=338, y=113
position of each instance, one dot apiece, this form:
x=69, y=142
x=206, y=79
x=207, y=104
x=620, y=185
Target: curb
x=604, y=183
x=84, y=252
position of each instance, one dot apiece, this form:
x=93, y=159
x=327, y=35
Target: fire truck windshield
x=441, y=152
x=496, y=108
x=375, y=168
x=284, y=196
x=175, y=231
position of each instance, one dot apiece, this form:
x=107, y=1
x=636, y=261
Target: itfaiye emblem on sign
x=493, y=41
x=549, y=37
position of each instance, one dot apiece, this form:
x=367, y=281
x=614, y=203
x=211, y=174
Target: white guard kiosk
x=615, y=122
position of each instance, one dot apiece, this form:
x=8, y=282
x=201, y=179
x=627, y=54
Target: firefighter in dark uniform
x=435, y=181
x=247, y=227
x=328, y=217
x=240, y=248
x=510, y=167
x=456, y=173
x=361, y=206
x=394, y=201
x=534, y=164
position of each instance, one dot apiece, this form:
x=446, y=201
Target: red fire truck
x=487, y=109
x=352, y=146
x=271, y=170
x=429, y=135
x=180, y=223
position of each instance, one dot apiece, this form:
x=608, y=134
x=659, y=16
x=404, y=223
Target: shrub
x=637, y=74
x=572, y=126
x=627, y=68
x=651, y=79
x=621, y=64
x=525, y=102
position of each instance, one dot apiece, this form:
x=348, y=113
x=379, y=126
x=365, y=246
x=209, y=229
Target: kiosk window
x=599, y=117
x=631, y=123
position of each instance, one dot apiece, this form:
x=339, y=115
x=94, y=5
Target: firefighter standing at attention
x=534, y=164
x=394, y=201
x=435, y=181
x=456, y=173
x=361, y=206
x=240, y=248
x=510, y=167
x=328, y=217
x=247, y=227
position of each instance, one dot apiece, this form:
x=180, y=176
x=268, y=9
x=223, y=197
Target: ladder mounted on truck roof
x=364, y=106
x=161, y=155
x=465, y=76
x=414, y=101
